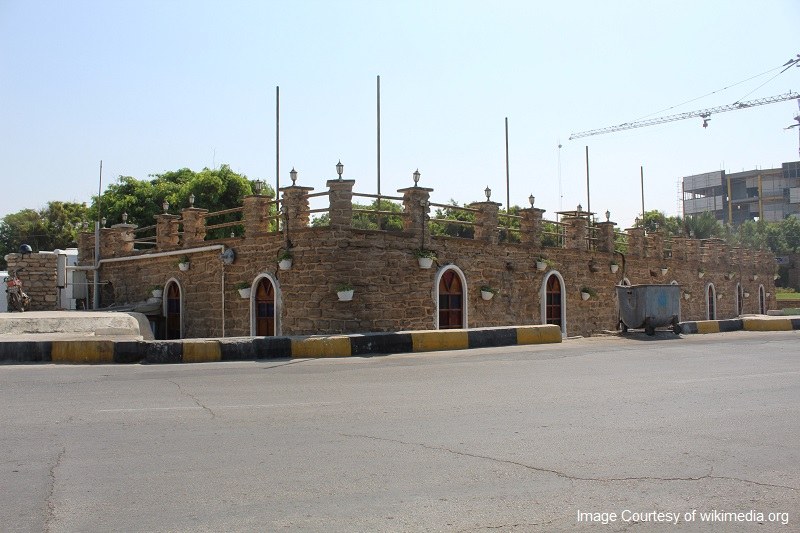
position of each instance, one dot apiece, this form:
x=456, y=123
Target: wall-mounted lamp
x=531, y=199
x=103, y=222
x=339, y=169
x=293, y=176
x=124, y=218
x=258, y=185
x=488, y=192
x=165, y=205
x=191, y=200
x=416, y=175
x=608, y=215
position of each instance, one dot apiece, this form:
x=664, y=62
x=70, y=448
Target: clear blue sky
x=149, y=86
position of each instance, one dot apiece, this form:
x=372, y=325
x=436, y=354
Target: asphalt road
x=503, y=439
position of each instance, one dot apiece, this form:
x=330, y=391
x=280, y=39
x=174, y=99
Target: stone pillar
x=605, y=236
x=117, y=240
x=86, y=248
x=486, y=221
x=416, y=206
x=341, y=203
x=655, y=245
x=530, y=227
x=166, y=231
x=636, y=241
x=295, y=204
x=576, y=229
x=194, y=226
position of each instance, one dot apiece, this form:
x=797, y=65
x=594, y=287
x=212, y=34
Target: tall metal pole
x=508, y=197
x=95, y=280
x=379, y=142
x=277, y=140
x=588, y=194
x=641, y=176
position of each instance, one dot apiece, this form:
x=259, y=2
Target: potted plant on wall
x=701, y=272
x=183, y=263
x=285, y=260
x=542, y=263
x=664, y=270
x=344, y=291
x=425, y=258
x=587, y=292
x=614, y=266
x=244, y=289
x=487, y=292
x=157, y=291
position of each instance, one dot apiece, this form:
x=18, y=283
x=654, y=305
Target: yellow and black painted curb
x=252, y=348
x=741, y=324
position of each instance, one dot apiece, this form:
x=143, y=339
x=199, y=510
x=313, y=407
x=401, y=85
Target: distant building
x=767, y=194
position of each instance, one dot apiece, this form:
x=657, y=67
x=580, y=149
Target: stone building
x=392, y=292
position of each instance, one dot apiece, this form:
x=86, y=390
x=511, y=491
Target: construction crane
x=705, y=114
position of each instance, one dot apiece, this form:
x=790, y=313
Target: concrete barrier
x=91, y=351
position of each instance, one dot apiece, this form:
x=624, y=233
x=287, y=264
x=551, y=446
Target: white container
x=345, y=296
x=425, y=262
x=285, y=264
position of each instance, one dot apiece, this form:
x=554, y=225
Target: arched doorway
x=553, y=301
x=451, y=297
x=762, y=300
x=172, y=311
x=264, y=305
x=711, y=302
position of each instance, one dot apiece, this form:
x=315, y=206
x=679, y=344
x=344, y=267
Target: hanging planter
x=587, y=292
x=244, y=290
x=701, y=273
x=285, y=260
x=183, y=263
x=157, y=291
x=664, y=271
x=687, y=295
x=542, y=264
x=425, y=258
x=614, y=267
x=345, y=292
x=487, y=292
x=747, y=295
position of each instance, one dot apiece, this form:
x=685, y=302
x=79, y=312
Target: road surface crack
x=709, y=476
x=194, y=398
x=50, y=506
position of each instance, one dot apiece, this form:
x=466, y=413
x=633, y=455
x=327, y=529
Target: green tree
x=702, y=226
x=55, y=226
x=453, y=229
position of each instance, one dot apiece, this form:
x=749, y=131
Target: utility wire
x=726, y=88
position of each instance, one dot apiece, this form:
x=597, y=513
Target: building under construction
x=765, y=194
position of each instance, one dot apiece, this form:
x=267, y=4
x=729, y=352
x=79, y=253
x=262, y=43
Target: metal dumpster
x=649, y=306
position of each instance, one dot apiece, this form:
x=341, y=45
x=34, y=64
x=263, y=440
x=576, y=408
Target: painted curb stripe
x=201, y=352
x=381, y=343
x=83, y=352
x=127, y=352
x=688, y=327
x=492, y=337
x=161, y=352
x=795, y=323
x=431, y=341
x=255, y=348
x=707, y=326
x=734, y=324
x=539, y=334
x=321, y=347
x=26, y=351
x=757, y=324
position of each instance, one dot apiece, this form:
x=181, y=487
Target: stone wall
x=38, y=275
x=392, y=292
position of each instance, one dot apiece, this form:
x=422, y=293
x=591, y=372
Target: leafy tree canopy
x=214, y=190
x=54, y=226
